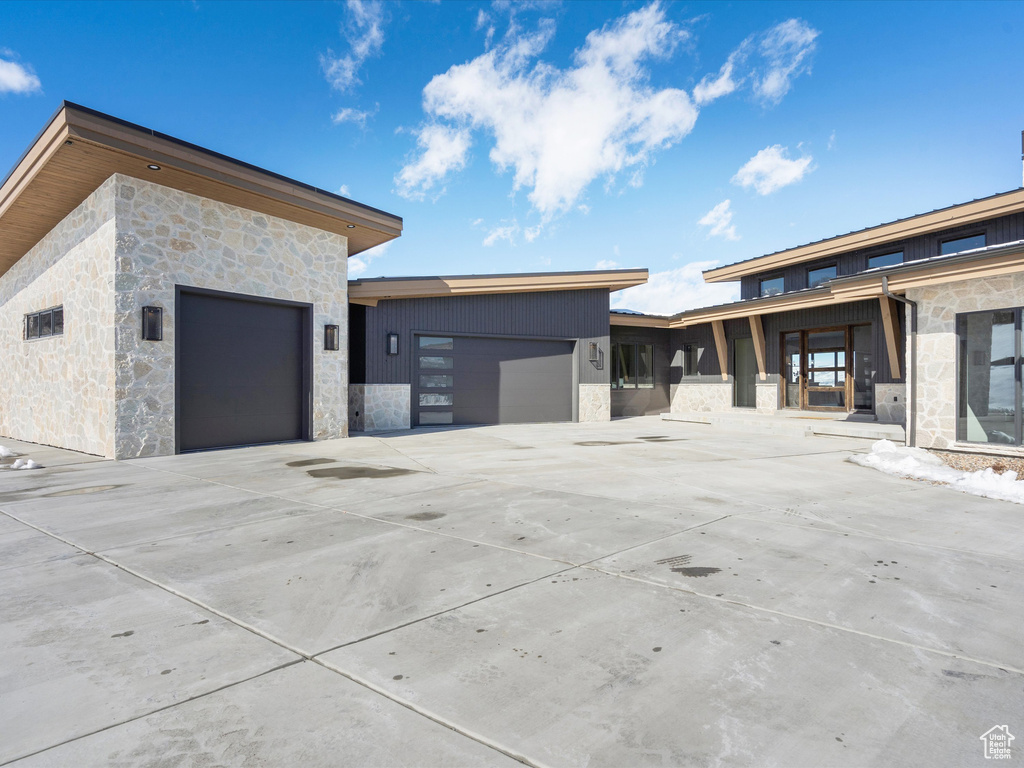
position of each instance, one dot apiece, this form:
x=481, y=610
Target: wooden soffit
x=369, y=292
x=945, y=218
x=80, y=149
x=638, y=321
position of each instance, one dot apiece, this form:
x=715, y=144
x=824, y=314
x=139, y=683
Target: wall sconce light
x=332, y=338
x=595, y=353
x=152, y=324
x=392, y=343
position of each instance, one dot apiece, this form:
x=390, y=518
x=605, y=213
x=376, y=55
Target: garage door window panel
x=435, y=362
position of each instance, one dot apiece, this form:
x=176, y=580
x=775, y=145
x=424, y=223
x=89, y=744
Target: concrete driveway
x=626, y=594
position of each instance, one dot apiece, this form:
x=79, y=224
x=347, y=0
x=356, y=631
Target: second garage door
x=475, y=380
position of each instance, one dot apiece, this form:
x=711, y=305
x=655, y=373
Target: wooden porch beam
x=759, y=347
x=893, y=338
x=722, y=348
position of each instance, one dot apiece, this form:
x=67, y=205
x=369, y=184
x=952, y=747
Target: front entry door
x=744, y=368
x=828, y=369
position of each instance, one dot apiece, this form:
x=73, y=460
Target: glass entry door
x=745, y=373
x=828, y=369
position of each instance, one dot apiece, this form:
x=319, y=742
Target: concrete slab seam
x=806, y=620
x=164, y=708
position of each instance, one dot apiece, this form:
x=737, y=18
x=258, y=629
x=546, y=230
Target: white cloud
x=831, y=141
x=606, y=264
x=352, y=115
x=363, y=28
x=507, y=232
x=15, y=77
x=667, y=293
x=357, y=265
x=786, y=49
x=719, y=219
x=343, y=190
x=442, y=150
x=768, y=62
x=770, y=169
x=559, y=129
x=708, y=89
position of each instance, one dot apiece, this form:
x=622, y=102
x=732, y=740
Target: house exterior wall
x=60, y=390
x=1003, y=229
x=936, y=387
x=581, y=315
x=166, y=238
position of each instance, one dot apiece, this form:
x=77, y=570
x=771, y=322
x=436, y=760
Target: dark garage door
x=471, y=380
x=240, y=371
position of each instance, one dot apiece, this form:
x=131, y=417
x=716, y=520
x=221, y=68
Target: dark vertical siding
x=581, y=315
x=1005, y=229
x=635, y=402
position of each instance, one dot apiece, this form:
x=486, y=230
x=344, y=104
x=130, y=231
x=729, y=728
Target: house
x=157, y=297
x=916, y=321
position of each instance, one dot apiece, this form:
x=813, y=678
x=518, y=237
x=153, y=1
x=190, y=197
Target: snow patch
x=6, y=453
x=918, y=464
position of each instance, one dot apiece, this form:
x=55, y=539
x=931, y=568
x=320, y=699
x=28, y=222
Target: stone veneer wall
x=703, y=397
x=595, y=402
x=356, y=403
x=165, y=238
x=766, y=397
x=386, y=407
x=938, y=307
x=60, y=390
x=891, y=403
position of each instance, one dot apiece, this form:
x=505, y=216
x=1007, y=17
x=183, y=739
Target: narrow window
x=645, y=366
x=962, y=244
x=885, y=260
x=690, y=355
x=49, y=322
x=816, y=277
x=773, y=286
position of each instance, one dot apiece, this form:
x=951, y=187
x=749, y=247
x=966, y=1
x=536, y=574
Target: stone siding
x=356, y=405
x=891, y=403
x=386, y=407
x=700, y=398
x=767, y=397
x=60, y=390
x=938, y=307
x=595, y=402
x=166, y=238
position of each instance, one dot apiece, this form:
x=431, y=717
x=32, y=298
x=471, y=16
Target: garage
x=242, y=370
x=484, y=380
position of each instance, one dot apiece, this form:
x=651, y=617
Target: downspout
x=912, y=372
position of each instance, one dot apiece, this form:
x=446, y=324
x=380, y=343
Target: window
x=988, y=386
x=885, y=260
x=816, y=277
x=435, y=380
x=632, y=366
x=49, y=322
x=435, y=342
x=691, y=356
x=962, y=244
x=773, y=286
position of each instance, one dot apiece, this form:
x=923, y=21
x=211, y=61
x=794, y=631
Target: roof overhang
x=638, y=321
x=368, y=292
x=80, y=149
x=945, y=218
x=982, y=263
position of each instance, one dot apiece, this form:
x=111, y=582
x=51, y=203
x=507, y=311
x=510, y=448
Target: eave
x=370, y=291
x=893, y=232
x=80, y=149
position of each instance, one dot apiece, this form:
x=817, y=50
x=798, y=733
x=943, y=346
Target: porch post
x=759, y=347
x=723, y=350
x=891, y=325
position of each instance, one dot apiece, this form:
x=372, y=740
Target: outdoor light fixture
x=153, y=167
x=351, y=226
x=69, y=142
x=152, y=324
x=595, y=352
x=392, y=343
x=332, y=339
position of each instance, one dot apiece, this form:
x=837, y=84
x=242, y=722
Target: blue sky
x=559, y=136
